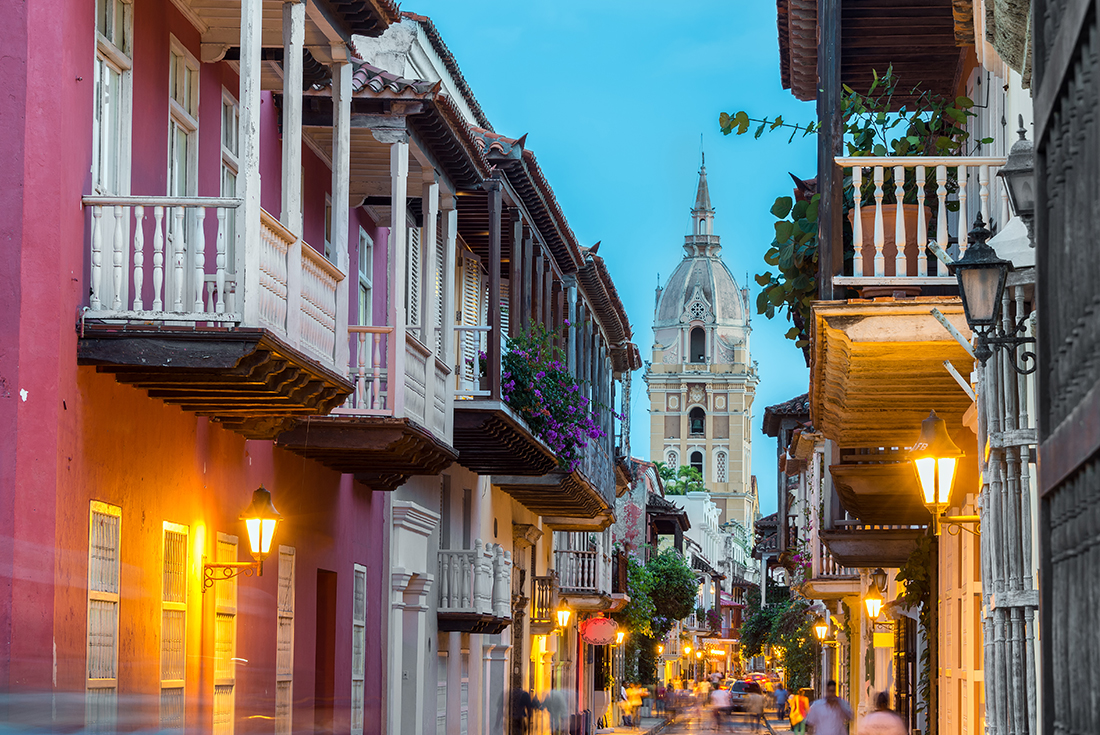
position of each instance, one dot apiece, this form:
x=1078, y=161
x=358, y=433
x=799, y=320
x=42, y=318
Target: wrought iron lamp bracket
x=996, y=338
x=222, y=571
x=954, y=525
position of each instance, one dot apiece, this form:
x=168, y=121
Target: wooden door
x=1066, y=40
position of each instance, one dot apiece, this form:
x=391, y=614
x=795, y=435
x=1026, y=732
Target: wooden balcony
x=169, y=312
x=578, y=500
x=544, y=603
x=856, y=544
x=370, y=436
x=475, y=589
x=830, y=580
x=587, y=581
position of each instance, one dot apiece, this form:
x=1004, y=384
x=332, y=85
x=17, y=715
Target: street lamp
x=563, y=616
x=1018, y=175
x=934, y=459
x=821, y=628
x=260, y=520
x=873, y=600
x=982, y=276
x=619, y=636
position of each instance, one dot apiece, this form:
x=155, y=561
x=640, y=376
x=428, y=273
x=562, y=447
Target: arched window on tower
x=698, y=345
x=697, y=461
x=720, y=467
x=672, y=460
x=697, y=420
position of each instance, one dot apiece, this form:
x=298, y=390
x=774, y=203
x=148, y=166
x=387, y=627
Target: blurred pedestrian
x=883, y=721
x=523, y=705
x=754, y=705
x=780, y=701
x=829, y=715
x=799, y=707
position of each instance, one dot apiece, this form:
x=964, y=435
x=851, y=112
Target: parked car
x=739, y=692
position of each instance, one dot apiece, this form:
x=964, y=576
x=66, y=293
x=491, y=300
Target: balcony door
x=183, y=157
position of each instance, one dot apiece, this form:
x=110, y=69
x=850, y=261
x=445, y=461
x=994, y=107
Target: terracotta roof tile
x=452, y=66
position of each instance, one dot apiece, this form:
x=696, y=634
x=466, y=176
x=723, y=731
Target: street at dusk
x=543, y=368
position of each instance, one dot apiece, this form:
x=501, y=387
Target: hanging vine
x=916, y=574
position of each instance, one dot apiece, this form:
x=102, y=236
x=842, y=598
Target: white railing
x=176, y=249
x=171, y=259
x=583, y=571
x=471, y=341
x=939, y=183
x=372, y=394
x=476, y=581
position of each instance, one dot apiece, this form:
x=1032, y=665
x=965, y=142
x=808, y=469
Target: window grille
x=358, y=647
x=720, y=467
x=173, y=628
x=104, y=569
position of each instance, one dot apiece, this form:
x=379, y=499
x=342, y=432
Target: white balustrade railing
x=317, y=322
x=471, y=342
x=476, y=581
x=276, y=243
x=892, y=243
x=173, y=236
x=171, y=259
x=578, y=571
x=373, y=393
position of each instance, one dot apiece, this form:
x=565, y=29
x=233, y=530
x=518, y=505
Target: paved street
x=703, y=722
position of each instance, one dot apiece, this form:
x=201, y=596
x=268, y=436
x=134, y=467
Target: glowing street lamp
x=260, y=520
x=563, y=616
x=935, y=458
x=620, y=635
x=873, y=601
x=821, y=628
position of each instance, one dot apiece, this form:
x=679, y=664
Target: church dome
x=702, y=287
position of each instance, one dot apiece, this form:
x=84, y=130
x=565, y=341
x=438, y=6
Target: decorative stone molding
x=412, y=517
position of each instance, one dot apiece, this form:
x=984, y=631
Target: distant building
x=701, y=380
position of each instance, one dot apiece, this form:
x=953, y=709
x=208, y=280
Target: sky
x=618, y=98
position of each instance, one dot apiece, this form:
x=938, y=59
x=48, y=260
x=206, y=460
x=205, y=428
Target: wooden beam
x=830, y=139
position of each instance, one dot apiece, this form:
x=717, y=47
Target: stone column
x=395, y=135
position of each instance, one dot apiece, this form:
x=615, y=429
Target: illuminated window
x=104, y=568
x=173, y=626
x=284, y=645
x=225, y=641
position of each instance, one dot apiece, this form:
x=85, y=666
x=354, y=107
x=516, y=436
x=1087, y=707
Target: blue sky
x=614, y=96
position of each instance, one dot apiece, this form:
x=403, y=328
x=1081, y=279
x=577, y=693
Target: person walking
x=780, y=701
x=755, y=707
x=883, y=721
x=829, y=715
x=800, y=706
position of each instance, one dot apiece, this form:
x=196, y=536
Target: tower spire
x=702, y=214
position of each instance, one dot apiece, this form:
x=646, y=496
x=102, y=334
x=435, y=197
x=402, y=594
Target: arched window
x=698, y=345
x=697, y=461
x=673, y=460
x=720, y=467
x=697, y=420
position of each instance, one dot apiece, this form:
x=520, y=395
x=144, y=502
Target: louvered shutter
x=505, y=319
x=471, y=315
x=412, y=292
x=440, y=265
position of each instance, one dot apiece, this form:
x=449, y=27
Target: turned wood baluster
x=158, y=257
x=118, y=248
x=200, y=256
x=376, y=371
x=922, y=226
x=964, y=223
x=361, y=370
x=97, y=256
x=220, y=264
x=901, y=267
x=179, y=257
x=857, y=221
x=983, y=191
x=139, y=255
x=941, y=219
x=880, y=231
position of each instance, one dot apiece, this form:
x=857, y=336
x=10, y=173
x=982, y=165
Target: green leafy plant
x=782, y=625
x=682, y=480
x=673, y=592
x=793, y=253
x=916, y=574
x=637, y=617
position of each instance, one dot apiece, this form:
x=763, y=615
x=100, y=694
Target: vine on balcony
x=536, y=383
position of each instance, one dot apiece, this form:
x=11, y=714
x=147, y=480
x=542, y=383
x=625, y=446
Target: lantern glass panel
x=874, y=606
x=945, y=470
x=926, y=473
x=980, y=287
x=1021, y=190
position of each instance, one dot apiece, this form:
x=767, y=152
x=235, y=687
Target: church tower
x=702, y=381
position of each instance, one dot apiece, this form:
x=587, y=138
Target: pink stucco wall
x=72, y=435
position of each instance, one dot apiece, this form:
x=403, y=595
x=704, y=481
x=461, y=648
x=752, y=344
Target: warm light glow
x=821, y=628
x=926, y=473
x=261, y=519
x=619, y=636
x=698, y=654
x=660, y=650
x=563, y=617
x=873, y=601
x=945, y=475
x=687, y=650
